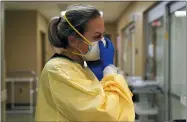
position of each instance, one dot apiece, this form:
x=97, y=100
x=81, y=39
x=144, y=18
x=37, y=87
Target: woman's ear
x=72, y=42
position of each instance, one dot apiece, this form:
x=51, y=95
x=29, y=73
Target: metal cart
x=22, y=76
x=144, y=89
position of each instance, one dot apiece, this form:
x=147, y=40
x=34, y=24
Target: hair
x=78, y=16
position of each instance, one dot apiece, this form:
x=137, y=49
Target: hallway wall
x=23, y=46
x=124, y=20
x=42, y=26
x=20, y=40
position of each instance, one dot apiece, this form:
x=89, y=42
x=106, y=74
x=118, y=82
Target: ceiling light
x=63, y=13
x=180, y=13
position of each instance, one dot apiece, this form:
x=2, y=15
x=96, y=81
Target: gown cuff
x=110, y=69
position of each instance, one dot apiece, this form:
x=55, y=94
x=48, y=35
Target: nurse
x=69, y=90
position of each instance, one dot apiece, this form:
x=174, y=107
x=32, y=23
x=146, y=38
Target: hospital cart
x=22, y=76
x=145, y=107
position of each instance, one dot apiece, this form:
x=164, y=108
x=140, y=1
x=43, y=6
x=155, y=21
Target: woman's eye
x=97, y=37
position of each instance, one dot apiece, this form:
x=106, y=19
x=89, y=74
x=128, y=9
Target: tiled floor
x=20, y=114
x=19, y=117
x=25, y=118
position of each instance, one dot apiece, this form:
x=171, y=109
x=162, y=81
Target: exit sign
x=156, y=23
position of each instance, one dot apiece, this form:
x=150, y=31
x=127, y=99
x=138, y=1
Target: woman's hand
x=106, y=53
x=106, y=58
x=97, y=69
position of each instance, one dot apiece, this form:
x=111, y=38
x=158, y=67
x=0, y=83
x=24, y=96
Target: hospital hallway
x=150, y=53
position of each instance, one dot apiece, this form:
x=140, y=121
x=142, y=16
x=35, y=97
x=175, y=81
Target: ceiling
x=111, y=10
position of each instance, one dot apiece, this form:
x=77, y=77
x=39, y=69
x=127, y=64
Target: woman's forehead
x=96, y=25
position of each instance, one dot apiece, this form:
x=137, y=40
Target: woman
x=68, y=89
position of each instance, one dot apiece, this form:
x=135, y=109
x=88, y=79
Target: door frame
x=151, y=15
x=43, y=48
x=126, y=31
x=2, y=65
x=132, y=34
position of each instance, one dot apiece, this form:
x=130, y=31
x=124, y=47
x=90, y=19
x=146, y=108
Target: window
x=178, y=53
x=155, y=60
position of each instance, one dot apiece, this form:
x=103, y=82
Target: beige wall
x=20, y=40
x=20, y=47
x=123, y=21
x=42, y=26
x=23, y=41
x=23, y=46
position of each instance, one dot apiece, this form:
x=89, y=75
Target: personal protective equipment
x=97, y=69
x=69, y=92
x=93, y=53
x=110, y=69
x=106, y=53
x=106, y=57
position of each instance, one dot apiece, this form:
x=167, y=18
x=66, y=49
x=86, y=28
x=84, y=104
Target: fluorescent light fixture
x=63, y=13
x=180, y=13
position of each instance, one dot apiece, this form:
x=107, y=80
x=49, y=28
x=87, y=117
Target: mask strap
x=87, y=42
x=85, y=64
x=74, y=52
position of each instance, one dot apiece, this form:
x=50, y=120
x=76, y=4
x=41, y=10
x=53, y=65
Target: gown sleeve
x=80, y=99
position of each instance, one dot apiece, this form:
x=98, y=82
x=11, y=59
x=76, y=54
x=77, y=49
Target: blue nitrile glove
x=106, y=53
x=97, y=69
x=106, y=58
